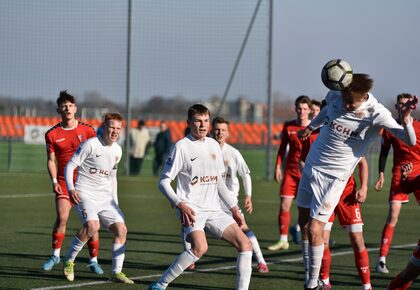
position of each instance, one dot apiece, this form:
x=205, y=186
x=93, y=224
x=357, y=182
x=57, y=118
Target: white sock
x=93, y=259
x=382, y=259
x=56, y=252
x=367, y=286
x=305, y=256
x=315, y=260
x=326, y=281
x=75, y=248
x=118, y=256
x=243, y=270
x=256, y=247
x=283, y=238
x=178, y=266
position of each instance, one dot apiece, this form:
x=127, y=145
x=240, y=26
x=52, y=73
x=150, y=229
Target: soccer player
x=290, y=181
x=402, y=154
x=315, y=109
x=404, y=279
x=352, y=118
x=197, y=162
x=350, y=217
x=95, y=193
x=235, y=165
x=62, y=140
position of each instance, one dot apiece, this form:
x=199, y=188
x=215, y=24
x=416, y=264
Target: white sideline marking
x=24, y=195
x=274, y=261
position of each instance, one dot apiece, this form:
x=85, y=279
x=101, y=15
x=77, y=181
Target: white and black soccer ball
x=337, y=74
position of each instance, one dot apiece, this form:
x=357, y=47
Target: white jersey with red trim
x=234, y=165
x=96, y=162
x=345, y=135
x=198, y=165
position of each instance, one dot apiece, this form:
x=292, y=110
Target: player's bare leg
x=234, y=235
x=118, y=253
x=63, y=207
x=316, y=250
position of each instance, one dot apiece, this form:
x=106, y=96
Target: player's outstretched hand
x=74, y=196
x=304, y=134
x=187, y=214
x=406, y=169
x=406, y=108
x=248, y=204
x=380, y=182
x=237, y=216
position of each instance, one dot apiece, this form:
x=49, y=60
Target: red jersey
x=290, y=137
x=64, y=142
x=402, y=152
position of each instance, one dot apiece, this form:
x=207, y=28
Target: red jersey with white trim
x=290, y=137
x=64, y=142
x=402, y=152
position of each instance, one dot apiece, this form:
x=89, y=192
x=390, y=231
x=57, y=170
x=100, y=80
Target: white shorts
x=214, y=222
x=319, y=192
x=107, y=212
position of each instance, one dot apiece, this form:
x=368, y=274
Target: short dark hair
x=361, y=83
x=316, y=103
x=302, y=100
x=197, y=109
x=65, y=97
x=404, y=96
x=219, y=120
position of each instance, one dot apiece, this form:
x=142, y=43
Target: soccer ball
x=337, y=74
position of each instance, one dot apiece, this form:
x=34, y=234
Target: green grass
x=27, y=212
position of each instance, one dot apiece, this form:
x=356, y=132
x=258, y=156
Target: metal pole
x=269, y=98
x=9, y=154
x=127, y=91
x=235, y=67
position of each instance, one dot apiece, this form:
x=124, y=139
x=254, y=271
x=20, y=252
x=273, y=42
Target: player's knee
x=199, y=250
x=91, y=228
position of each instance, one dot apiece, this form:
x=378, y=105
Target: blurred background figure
x=140, y=139
x=162, y=145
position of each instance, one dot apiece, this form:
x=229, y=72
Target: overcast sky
x=189, y=47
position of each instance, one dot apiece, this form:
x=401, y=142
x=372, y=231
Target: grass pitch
x=28, y=213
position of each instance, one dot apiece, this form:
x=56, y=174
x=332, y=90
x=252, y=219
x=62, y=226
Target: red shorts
x=65, y=193
x=348, y=209
x=289, y=185
x=395, y=193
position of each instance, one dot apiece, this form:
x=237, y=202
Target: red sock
x=387, y=234
x=57, y=240
x=284, y=222
x=93, y=247
x=398, y=284
x=362, y=264
x=324, y=273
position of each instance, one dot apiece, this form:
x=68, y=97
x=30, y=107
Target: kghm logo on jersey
x=99, y=171
x=338, y=128
x=204, y=180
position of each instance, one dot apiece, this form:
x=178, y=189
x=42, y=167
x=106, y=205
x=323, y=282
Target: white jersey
x=234, y=165
x=96, y=162
x=197, y=164
x=345, y=135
